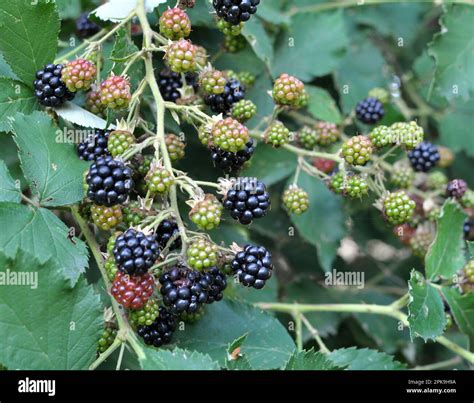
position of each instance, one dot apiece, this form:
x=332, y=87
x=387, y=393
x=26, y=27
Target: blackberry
x=192, y=317
x=106, y=218
x=357, y=150
x=369, y=110
x=253, y=266
x=232, y=162
x=212, y=82
x=49, y=88
x=235, y=11
x=420, y=243
x=277, y=134
x=133, y=214
x=206, y=213
x=132, y=292
x=289, y=91
x=468, y=199
x=408, y=134
x=456, y=188
x=202, y=254
x=246, y=200
x=115, y=92
x=404, y=232
x=169, y=84
x=146, y=315
x=398, y=207
x=175, y=24
x=324, y=165
x=143, y=164
x=109, y=182
x=175, y=147
x=436, y=180
x=446, y=157
x=183, y=289
x=86, y=28
x=160, y=331
x=134, y=252
x=307, y=137
x=106, y=338
x=78, y=74
x=381, y=136
x=296, y=200
x=424, y=156
x=243, y=110
x=327, y=133
x=234, y=44
x=120, y=141
x=354, y=186
x=204, y=133
x=217, y=284
x=181, y=56
x=222, y=103
x=159, y=180
x=93, y=103
x=94, y=146
x=402, y=176
x=166, y=230
x=110, y=268
x=229, y=135
x=229, y=29
x=245, y=77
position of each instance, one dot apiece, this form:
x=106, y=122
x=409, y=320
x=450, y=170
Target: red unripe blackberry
x=288, y=91
x=93, y=103
x=115, y=92
x=404, y=232
x=327, y=133
x=132, y=292
x=175, y=24
x=229, y=135
x=181, y=56
x=78, y=74
x=324, y=165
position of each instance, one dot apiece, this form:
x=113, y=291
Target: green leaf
x=322, y=106
x=470, y=246
x=364, y=359
x=177, y=360
x=446, y=254
x=43, y=235
x=313, y=46
x=49, y=163
x=425, y=310
x=68, y=8
x=48, y=327
x=235, y=360
x=29, y=36
x=8, y=189
x=259, y=39
x=267, y=346
x=310, y=361
x=453, y=50
x=323, y=224
x=462, y=308
x=14, y=97
x=79, y=116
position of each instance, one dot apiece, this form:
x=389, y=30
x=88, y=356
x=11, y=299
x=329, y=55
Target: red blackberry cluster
x=109, y=182
x=246, y=200
x=253, y=266
x=234, y=92
x=369, y=110
x=49, y=88
x=135, y=252
x=160, y=331
x=85, y=28
x=166, y=230
x=232, y=162
x=235, y=11
x=94, y=146
x=132, y=292
x=424, y=156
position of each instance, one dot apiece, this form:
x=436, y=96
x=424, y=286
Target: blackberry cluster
x=109, y=182
x=94, y=146
x=398, y=207
x=456, y=188
x=243, y=110
x=424, y=156
x=106, y=339
x=170, y=82
x=296, y=200
x=132, y=292
x=232, y=162
x=369, y=110
x=206, y=214
x=202, y=254
x=85, y=28
x=49, y=88
x=167, y=230
x=160, y=331
x=235, y=11
x=246, y=200
x=135, y=252
x=234, y=92
x=253, y=266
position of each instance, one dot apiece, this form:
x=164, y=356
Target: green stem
x=298, y=330
x=106, y=354
x=314, y=332
x=439, y=365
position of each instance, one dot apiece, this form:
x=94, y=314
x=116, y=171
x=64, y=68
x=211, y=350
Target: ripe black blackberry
x=94, y=146
x=369, y=110
x=184, y=289
x=109, y=182
x=170, y=83
x=165, y=231
x=135, y=252
x=217, y=284
x=424, y=156
x=232, y=162
x=85, y=28
x=247, y=199
x=49, y=88
x=160, y=331
x=234, y=92
x=235, y=11
x=253, y=266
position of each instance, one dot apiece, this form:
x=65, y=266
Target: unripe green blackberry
x=78, y=74
x=85, y=210
x=106, y=339
x=115, y=92
x=402, y=176
x=468, y=199
x=420, y=243
x=288, y=91
x=180, y=56
x=159, y=180
x=93, y=103
x=327, y=133
x=111, y=242
x=381, y=94
x=228, y=29
x=234, y=44
x=212, y=82
x=469, y=271
x=204, y=133
x=202, y=254
x=277, y=134
x=133, y=215
x=110, y=268
x=354, y=186
x=307, y=137
x=119, y=141
x=296, y=200
x=381, y=136
x=206, y=214
x=357, y=150
x=337, y=183
x=175, y=24
x=105, y=217
x=449, y=321
x=243, y=110
x=175, y=147
x=144, y=316
x=143, y=164
x=407, y=134
x=436, y=180
x=446, y=157
x=192, y=317
x=398, y=207
x=229, y=135
x=246, y=78
x=201, y=56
